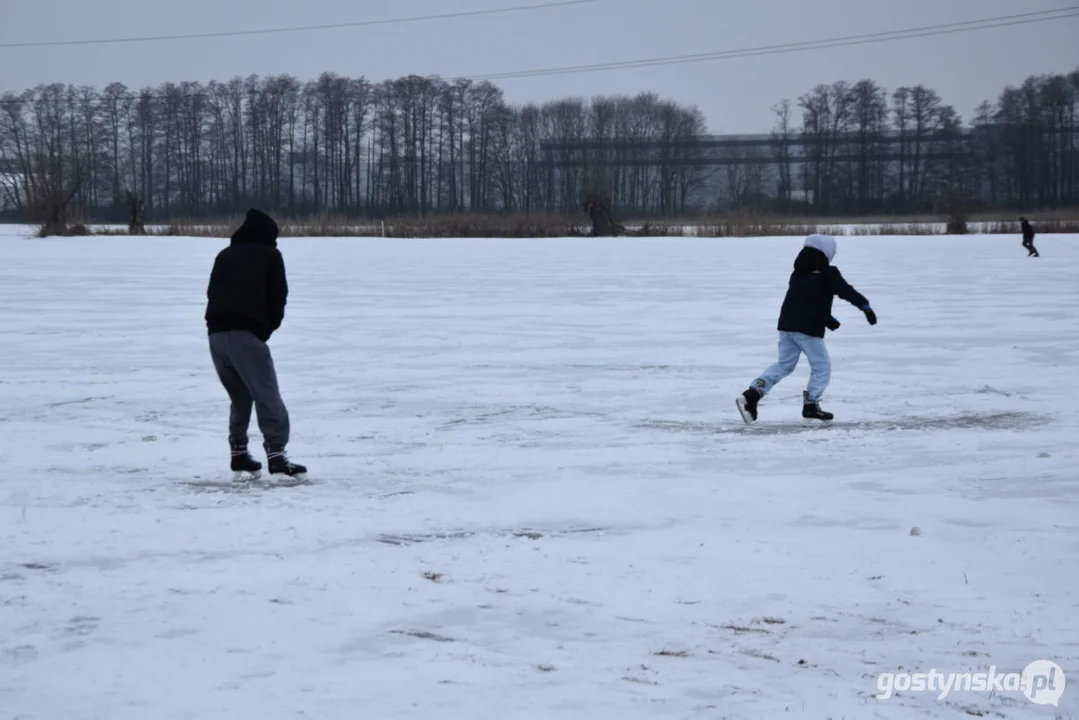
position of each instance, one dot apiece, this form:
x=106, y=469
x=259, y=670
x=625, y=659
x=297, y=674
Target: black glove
x=832, y=324
x=870, y=315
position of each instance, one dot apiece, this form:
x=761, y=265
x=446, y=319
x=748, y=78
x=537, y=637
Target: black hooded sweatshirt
x=1028, y=231
x=248, y=288
x=807, y=308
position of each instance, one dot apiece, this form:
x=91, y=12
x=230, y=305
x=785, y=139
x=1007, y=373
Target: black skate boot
x=243, y=465
x=812, y=411
x=747, y=405
x=281, y=465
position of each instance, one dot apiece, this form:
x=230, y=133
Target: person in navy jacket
x=805, y=315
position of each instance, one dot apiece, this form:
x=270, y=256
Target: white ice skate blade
x=244, y=482
x=740, y=403
x=288, y=481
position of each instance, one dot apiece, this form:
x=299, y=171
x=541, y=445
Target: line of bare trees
x=867, y=151
x=410, y=146
x=421, y=145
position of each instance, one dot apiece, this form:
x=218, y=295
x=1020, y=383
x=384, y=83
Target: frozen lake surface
x=535, y=496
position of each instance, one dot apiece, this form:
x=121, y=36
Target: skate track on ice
x=536, y=497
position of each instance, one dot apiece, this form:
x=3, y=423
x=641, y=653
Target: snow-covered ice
x=536, y=498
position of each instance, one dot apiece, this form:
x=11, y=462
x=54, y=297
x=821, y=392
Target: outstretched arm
x=843, y=289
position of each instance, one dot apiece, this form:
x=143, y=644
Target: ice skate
x=244, y=467
x=282, y=469
x=812, y=410
x=747, y=405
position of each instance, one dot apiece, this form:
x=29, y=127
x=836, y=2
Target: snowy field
x=535, y=496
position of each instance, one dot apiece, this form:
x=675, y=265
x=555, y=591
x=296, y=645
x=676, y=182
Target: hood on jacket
x=816, y=254
x=258, y=227
x=824, y=243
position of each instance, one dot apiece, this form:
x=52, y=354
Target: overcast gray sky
x=735, y=94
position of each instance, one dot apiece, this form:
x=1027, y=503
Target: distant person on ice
x=1028, y=238
x=245, y=305
x=806, y=312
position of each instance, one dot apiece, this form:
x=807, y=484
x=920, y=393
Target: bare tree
x=782, y=137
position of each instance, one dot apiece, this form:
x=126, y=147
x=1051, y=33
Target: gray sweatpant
x=246, y=369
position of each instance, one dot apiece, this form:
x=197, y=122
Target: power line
x=306, y=28
x=863, y=39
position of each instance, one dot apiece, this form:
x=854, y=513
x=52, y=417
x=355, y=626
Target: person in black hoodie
x=1028, y=238
x=246, y=300
x=805, y=315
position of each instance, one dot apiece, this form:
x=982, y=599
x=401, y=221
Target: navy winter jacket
x=807, y=308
